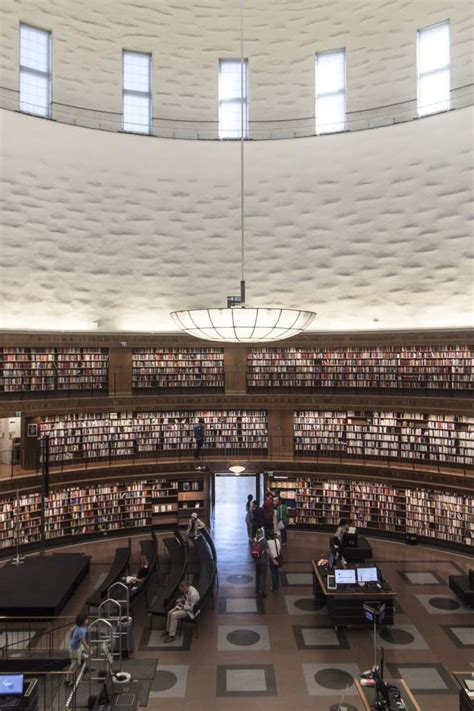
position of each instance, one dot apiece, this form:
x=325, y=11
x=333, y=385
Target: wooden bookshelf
x=380, y=508
x=418, y=367
x=100, y=509
x=94, y=436
x=177, y=369
x=41, y=370
x=435, y=438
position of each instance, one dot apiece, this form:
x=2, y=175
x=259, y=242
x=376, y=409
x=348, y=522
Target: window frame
x=131, y=92
x=243, y=101
x=433, y=72
x=23, y=70
x=343, y=91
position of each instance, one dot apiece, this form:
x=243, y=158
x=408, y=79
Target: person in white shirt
x=184, y=608
x=274, y=548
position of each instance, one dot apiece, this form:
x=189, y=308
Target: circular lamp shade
x=236, y=469
x=243, y=324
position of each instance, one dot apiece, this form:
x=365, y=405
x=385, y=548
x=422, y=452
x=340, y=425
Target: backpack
x=255, y=550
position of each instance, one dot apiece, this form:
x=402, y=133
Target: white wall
x=123, y=229
x=187, y=39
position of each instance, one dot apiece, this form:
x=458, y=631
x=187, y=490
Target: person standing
x=199, y=430
x=258, y=520
x=274, y=548
x=77, y=645
x=268, y=511
x=184, y=607
x=249, y=517
x=282, y=520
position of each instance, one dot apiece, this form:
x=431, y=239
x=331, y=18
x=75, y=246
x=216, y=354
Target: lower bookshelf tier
x=434, y=515
x=100, y=509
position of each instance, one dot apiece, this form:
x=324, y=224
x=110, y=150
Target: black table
x=42, y=585
x=356, y=553
x=346, y=606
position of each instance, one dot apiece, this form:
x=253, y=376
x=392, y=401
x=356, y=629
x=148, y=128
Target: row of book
x=94, y=508
x=428, y=512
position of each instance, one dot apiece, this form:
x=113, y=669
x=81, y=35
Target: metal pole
x=44, y=488
x=18, y=560
x=242, y=197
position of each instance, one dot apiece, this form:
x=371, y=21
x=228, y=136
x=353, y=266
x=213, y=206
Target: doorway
x=230, y=496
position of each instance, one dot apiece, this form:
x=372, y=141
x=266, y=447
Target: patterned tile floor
x=281, y=653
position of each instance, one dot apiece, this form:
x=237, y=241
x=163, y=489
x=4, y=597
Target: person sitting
x=142, y=572
x=195, y=526
x=184, y=607
x=340, y=537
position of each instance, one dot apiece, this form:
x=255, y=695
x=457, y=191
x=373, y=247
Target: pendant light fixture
x=239, y=322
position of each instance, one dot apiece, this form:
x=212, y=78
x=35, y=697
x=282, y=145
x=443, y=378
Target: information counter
x=346, y=604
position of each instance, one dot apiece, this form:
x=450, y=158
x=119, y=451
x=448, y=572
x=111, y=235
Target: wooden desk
x=346, y=608
x=465, y=702
x=368, y=697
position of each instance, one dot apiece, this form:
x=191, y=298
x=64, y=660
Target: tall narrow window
x=233, y=98
x=330, y=79
x=433, y=70
x=35, y=71
x=137, y=92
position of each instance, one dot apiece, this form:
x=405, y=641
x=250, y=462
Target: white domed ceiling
x=371, y=229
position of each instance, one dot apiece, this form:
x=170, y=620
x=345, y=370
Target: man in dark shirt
x=257, y=518
x=199, y=430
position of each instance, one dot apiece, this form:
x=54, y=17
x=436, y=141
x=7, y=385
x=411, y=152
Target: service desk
x=368, y=695
x=466, y=697
x=346, y=607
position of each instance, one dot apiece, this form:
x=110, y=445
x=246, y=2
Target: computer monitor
x=367, y=575
x=11, y=684
x=345, y=576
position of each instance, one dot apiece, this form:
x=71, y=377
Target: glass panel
x=230, y=98
x=434, y=93
x=330, y=72
x=34, y=94
x=330, y=114
x=136, y=72
x=230, y=75
x=433, y=48
x=34, y=48
x=136, y=113
x=230, y=120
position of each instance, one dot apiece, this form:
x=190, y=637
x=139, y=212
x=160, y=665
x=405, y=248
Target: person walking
x=77, y=645
x=195, y=526
x=199, y=430
x=282, y=520
x=262, y=555
x=184, y=607
x=248, y=504
x=274, y=548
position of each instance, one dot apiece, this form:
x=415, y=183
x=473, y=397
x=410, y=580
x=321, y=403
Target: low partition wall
x=378, y=508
